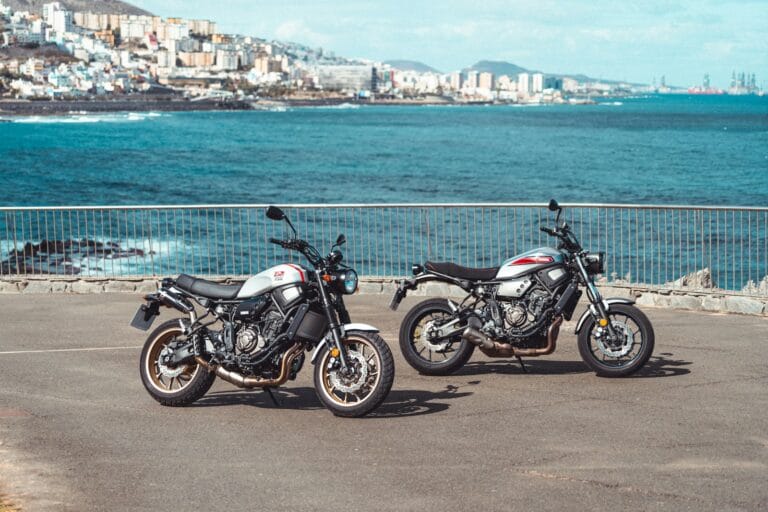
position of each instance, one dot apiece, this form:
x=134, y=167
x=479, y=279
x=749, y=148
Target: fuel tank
x=515, y=273
x=275, y=277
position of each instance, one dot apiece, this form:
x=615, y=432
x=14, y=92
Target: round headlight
x=350, y=281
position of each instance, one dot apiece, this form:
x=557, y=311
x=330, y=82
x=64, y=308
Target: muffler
x=495, y=349
x=242, y=381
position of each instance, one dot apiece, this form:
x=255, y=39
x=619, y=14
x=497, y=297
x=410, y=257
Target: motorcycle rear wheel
x=369, y=383
x=173, y=387
x=424, y=357
x=610, y=360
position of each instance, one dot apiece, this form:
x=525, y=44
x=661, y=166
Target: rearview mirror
x=275, y=213
x=553, y=206
x=341, y=240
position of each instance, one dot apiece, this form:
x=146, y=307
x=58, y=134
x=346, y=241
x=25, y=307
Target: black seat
x=459, y=272
x=209, y=289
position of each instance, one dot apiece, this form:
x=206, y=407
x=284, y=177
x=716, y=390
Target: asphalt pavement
x=79, y=432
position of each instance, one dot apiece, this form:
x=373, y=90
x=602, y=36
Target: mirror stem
x=295, y=234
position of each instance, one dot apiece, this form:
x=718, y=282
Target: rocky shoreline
x=58, y=108
x=18, y=108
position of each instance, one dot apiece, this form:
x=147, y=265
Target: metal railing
x=648, y=245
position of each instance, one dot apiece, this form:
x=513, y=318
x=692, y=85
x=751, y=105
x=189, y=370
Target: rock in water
x=760, y=288
x=701, y=279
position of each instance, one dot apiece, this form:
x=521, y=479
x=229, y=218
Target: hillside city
x=63, y=54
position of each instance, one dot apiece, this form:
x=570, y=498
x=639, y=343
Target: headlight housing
x=596, y=263
x=345, y=281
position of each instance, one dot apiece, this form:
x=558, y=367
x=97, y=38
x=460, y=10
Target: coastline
x=20, y=108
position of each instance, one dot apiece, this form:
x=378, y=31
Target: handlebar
x=295, y=244
x=548, y=231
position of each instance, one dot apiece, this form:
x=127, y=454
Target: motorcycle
x=516, y=310
x=264, y=326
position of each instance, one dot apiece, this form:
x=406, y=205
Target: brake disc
x=616, y=350
x=358, y=379
x=426, y=332
x=165, y=371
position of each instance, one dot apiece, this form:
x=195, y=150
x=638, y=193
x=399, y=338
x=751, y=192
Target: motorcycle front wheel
x=624, y=354
x=174, y=387
x=425, y=354
x=364, y=385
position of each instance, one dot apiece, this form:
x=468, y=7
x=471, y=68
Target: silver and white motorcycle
x=516, y=309
x=254, y=335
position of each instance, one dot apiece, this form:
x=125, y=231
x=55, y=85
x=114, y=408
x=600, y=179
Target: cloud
x=297, y=30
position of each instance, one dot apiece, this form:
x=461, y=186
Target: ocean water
x=667, y=150
x=655, y=149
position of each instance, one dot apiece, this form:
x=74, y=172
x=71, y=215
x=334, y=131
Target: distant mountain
x=498, y=68
x=97, y=6
x=411, y=65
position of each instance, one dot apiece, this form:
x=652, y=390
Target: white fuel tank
x=272, y=278
x=524, y=263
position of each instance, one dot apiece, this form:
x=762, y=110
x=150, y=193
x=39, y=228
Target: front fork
x=597, y=306
x=335, y=327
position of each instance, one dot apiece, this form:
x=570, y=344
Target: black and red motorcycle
x=516, y=310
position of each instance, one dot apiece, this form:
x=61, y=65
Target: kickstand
x=272, y=396
x=522, y=364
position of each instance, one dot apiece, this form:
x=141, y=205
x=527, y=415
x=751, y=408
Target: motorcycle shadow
x=405, y=403
x=661, y=365
x=533, y=366
x=399, y=402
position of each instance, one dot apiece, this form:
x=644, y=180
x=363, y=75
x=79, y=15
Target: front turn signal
x=334, y=352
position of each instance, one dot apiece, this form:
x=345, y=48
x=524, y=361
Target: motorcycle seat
x=208, y=289
x=459, y=272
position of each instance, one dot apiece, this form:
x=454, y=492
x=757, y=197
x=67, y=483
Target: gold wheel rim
x=373, y=360
x=161, y=382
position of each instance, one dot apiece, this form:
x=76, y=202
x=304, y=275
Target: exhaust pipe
x=495, y=349
x=476, y=337
x=242, y=381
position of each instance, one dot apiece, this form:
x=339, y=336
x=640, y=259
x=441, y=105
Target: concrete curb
x=715, y=301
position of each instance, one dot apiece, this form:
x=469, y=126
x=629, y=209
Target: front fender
x=344, y=328
x=606, y=304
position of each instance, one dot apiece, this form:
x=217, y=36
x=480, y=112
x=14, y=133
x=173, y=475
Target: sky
x=635, y=41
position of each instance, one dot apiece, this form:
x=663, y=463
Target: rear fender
x=591, y=311
x=411, y=284
x=344, y=328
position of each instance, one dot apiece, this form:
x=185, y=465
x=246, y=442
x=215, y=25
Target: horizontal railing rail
x=667, y=247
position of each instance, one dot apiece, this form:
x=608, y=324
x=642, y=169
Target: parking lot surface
x=79, y=432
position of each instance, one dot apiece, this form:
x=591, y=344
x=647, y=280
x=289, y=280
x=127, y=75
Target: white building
x=523, y=83
x=62, y=22
x=538, y=83
x=472, y=80
x=58, y=18
x=455, y=81
x=227, y=60
x=570, y=85
x=49, y=10
x=345, y=77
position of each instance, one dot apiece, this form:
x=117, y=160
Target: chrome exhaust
x=495, y=349
x=242, y=381
x=476, y=337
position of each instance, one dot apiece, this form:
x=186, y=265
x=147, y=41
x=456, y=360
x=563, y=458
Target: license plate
x=395, y=303
x=145, y=316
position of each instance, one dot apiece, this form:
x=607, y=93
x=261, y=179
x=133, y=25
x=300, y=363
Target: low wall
x=692, y=300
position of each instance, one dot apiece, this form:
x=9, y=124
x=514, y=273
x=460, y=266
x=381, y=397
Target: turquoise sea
x=655, y=149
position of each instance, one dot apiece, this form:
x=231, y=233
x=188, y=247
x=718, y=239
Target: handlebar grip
x=547, y=231
x=275, y=241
